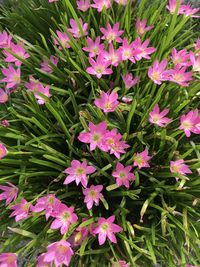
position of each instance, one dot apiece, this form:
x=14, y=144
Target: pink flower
x=12, y=76
x=189, y=122
x=142, y=50
x=178, y=166
x=19, y=51
x=121, y=2
x=59, y=253
x=195, y=62
x=112, y=141
x=41, y=262
x=37, y=88
x=157, y=72
x=21, y=210
x=99, y=67
x=157, y=117
x=180, y=76
x=83, y=5
x=141, y=28
x=75, y=31
x=92, y=195
x=94, y=47
x=78, y=172
x=5, y=40
x=9, y=194
x=63, y=39
x=112, y=34
x=187, y=10
x=51, y=1
x=129, y=81
x=107, y=229
x=127, y=51
x=172, y=6
x=3, y=96
x=197, y=44
x=3, y=151
x=45, y=66
x=4, y=123
x=127, y=99
x=95, y=136
x=123, y=175
x=47, y=203
x=8, y=260
x=188, y=265
x=113, y=56
x=64, y=217
x=107, y=101
x=83, y=232
x=141, y=159
x=120, y=263
x=180, y=58
x=101, y=4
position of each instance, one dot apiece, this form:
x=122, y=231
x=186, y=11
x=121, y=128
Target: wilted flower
x=92, y=195
x=141, y=159
x=121, y=2
x=107, y=229
x=123, y=175
x=157, y=117
x=8, y=260
x=64, y=217
x=45, y=66
x=107, y=101
x=9, y=193
x=78, y=172
x=21, y=210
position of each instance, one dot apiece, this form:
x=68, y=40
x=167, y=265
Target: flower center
x=156, y=118
x=99, y=70
x=62, y=249
x=108, y=105
x=122, y=175
x=176, y=168
x=187, y=125
x=65, y=216
x=127, y=53
x=155, y=76
x=16, y=78
x=96, y=137
x=25, y=207
x=139, y=160
x=104, y=227
x=178, y=77
x=80, y=171
x=93, y=193
x=11, y=259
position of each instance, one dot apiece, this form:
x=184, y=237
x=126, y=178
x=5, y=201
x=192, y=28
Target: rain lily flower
x=63, y=40
x=94, y=47
x=101, y=4
x=180, y=76
x=83, y=5
x=75, y=31
x=41, y=262
x=189, y=122
x=141, y=159
x=9, y=193
x=5, y=40
x=120, y=263
x=83, y=232
x=195, y=62
x=8, y=260
x=64, y=217
x=92, y=195
x=95, y=136
x=107, y=229
x=172, y=6
x=47, y=203
x=12, y=76
x=197, y=44
x=37, y=88
x=3, y=96
x=113, y=143
x=142, y=50
x=4, y=123
x=3, y=151
x=157, y=72
x=123, y=175
x=107, y=101
x=21, y=210
x=129, y=80
x=112, y=34
x=121, y=2
x=19, y=51
x=59, y=253
x=127, y=51
x=99, y=67
x=178, y=166
x=181, y=58
x=141, y=28
x=187, y=10
x=51, y=1
x=157, y=117
x=45, y=66
x=78, y=172
x=113, y=56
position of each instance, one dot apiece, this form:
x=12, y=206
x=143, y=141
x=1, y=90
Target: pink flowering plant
x=99, y=133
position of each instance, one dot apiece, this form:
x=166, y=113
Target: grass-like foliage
x=99, y=151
